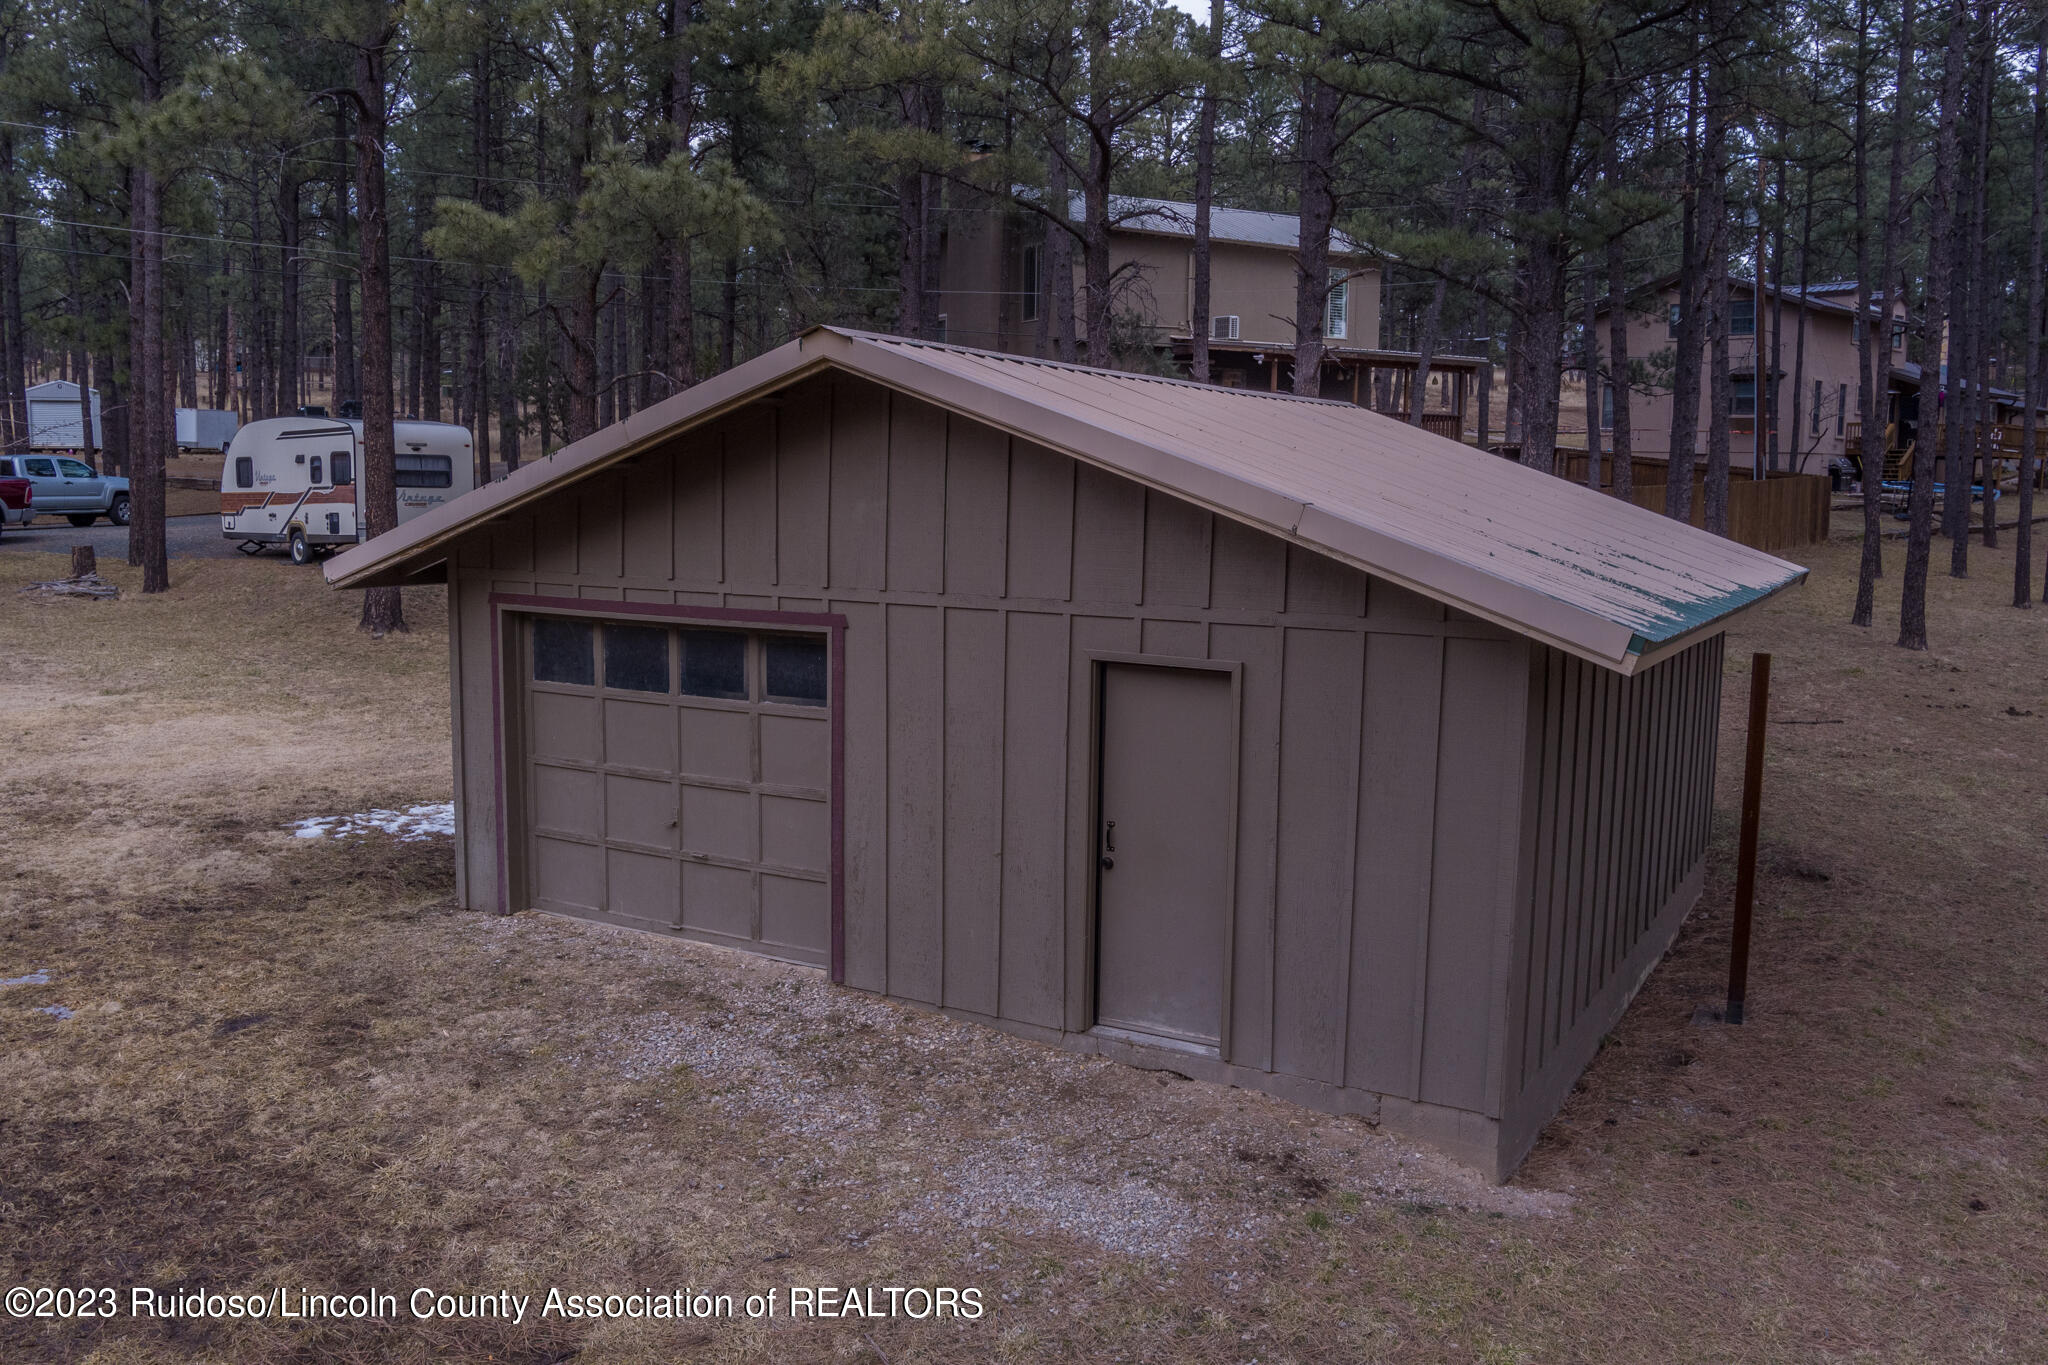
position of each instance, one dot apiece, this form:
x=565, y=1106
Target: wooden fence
x=1782, y=512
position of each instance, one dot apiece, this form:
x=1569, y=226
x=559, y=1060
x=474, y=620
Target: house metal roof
x=1251, y=227
x=1599, y=578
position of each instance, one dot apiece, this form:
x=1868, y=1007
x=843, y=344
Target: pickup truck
x=70, y=488
x=16, y=497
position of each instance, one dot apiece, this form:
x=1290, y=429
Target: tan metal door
x=1164, y=850
x=679, y=779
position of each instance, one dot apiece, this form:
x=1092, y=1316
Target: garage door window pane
x=796, y=668
x=715, y=664
x=561, y=652
x=636, y=658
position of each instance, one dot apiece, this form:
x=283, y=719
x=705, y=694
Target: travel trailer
x=296, y=481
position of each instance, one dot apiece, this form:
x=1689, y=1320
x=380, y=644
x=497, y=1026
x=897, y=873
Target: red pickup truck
x=15, y=496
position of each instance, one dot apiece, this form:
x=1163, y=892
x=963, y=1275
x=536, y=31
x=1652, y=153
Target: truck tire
x=117, y=510
x=84, y=519
x=301, y=550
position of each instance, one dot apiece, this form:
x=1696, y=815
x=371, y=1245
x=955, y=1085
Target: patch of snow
x=57, y=1011
x=34, y=978
x=410, y=825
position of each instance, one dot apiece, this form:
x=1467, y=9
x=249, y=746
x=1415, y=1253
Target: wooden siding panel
x=1319, y=749
x=1249, y=568
x=1396, y=804
x=700, y=510
x=1320, y=586
x=599, y=522
x=1257, y=650
x=1040, y=538
x=915, y=724
x=860, y=487
x=977, y=508
x=512, y=545
x=972, y=839
x=1478, y=797
x=1109, y=539
x=1176, y=552
x=1175, y=639
x=749, y=486
x=648, y=518
x=803, y=489
x=1034, y=810
x=867, y=794
x=917, y=496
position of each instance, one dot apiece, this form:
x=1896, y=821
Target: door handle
x=1108, y=845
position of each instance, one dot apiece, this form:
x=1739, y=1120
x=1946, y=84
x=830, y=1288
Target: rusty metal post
x=1752, y=811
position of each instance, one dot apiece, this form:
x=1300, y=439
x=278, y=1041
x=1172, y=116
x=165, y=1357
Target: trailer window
x=561, y=652
x=636, y=658
x=715, y=664
x=343, y=466
x=795, y=669
x=245, y=471
x=425, y=471
x=315, y=468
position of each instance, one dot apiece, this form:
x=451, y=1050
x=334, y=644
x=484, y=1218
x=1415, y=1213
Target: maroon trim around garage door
x=833, y=623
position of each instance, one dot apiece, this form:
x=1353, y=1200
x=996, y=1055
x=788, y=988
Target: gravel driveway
x=189, y=537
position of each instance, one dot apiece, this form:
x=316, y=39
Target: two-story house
x=1826, y=374
x=996, y=292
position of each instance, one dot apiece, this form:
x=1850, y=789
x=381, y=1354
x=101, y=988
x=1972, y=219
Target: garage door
x=679, y=779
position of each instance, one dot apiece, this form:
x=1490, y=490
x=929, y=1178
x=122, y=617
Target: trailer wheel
x=117, y=511
x=301, y=551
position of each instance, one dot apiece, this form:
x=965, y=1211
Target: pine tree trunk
x=291, y=388
x=2030, y=455
x=1689, y=346
x=1059, y=260
x=1205, y=194
x=1617, y=346
x=1940, y=199
x=1871, y=562
x=146, y=525
x=1316, y=147
x=1589, y=361
x=1714, y=184
x=383, y=609
x=511, y=310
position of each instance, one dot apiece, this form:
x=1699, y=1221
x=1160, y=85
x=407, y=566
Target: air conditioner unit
x=1223, y=327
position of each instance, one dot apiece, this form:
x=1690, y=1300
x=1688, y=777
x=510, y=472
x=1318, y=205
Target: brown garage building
x=1264, y=738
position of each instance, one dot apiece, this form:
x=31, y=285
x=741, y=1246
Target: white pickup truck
x=70, y=488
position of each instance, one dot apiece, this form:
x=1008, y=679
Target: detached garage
x=1268, y=739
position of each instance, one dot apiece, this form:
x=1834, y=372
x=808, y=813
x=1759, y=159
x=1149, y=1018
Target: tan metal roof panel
x=1550, y=559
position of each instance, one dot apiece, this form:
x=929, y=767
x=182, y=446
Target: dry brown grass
x=295, y=1063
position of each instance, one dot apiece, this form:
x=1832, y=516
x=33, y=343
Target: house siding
x=1382, y=743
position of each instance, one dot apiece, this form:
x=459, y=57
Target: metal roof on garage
x=1546, y=558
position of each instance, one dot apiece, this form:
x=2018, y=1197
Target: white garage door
x=678, y=778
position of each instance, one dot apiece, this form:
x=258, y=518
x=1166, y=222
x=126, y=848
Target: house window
x=1841, y=407
x=1818, y=390
x=561, y=652
x=1337, y=307
x=1030, y=285
x=1742, y=317
x=942, y=327
x=1607, y=406
x=1742, y=396
x=1898, y=336
x=1671, y=326
x=636, y=658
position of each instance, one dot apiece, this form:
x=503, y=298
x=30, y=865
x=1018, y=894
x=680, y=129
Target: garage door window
x=561, y=652
x=715, y=664
x=636, y=658
x=795, y=668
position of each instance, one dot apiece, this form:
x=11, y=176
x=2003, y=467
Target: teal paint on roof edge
x=1706, y=611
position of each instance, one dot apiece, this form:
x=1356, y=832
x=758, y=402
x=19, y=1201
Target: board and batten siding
x=1382, y=738
x=1618, y=811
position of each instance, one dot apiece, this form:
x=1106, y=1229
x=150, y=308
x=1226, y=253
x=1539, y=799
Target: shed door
x=679, y=779
x=1164, y=850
